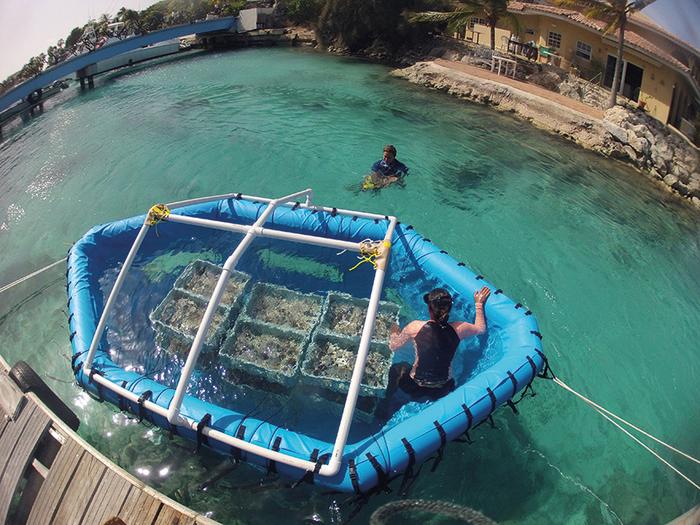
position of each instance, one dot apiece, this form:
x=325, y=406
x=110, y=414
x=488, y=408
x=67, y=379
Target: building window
x=583, y=50
x=476, y=20
x=554, y=40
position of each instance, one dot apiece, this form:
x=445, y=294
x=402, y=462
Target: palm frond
x=455, y=17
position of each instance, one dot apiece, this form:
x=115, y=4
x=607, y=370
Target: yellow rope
x=157, y=213
x=369, y=251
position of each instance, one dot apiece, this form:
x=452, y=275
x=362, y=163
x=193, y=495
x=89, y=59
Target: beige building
x=660, y=72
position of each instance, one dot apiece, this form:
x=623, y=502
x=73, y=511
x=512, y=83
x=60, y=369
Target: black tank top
x=436, y=345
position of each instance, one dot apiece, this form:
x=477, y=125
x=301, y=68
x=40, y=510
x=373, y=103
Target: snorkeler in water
x=385, y=171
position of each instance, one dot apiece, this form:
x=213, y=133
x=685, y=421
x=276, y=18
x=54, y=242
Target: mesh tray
x=344, y=316
x=264, y=351
x=199, y=280
x=284, y=308
x=330, y=359
x=180, y=314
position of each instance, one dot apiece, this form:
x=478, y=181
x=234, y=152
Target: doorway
x=631, y=78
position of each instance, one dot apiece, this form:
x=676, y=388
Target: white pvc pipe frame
x=172, y=413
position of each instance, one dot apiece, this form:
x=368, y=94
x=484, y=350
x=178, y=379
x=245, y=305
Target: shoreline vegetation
x=395, y=33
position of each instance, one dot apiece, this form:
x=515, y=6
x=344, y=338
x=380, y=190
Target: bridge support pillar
x=91, y=82
x=82, y=82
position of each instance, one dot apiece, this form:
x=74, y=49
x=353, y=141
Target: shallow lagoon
x=607, y=262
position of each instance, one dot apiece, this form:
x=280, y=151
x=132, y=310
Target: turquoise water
x=607, y=261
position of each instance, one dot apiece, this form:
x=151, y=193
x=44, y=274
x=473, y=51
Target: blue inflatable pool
x=364, y=462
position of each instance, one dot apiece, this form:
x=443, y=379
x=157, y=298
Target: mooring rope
x=465, y=514
x=33, y=274
x=609, y=416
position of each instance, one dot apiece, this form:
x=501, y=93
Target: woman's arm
x=465, y=329
x=400, y=338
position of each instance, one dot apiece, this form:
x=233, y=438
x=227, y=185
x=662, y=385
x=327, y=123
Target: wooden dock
x=50, y=475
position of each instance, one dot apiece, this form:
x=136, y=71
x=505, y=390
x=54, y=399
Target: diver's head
x=389, y=153
x=439, y=303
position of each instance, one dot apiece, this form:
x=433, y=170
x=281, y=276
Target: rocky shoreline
x=628, y=135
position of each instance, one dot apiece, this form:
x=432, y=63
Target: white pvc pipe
x=266, y=232
x=358, y=371
x=113, y=295
x=193, y=355
x=208, y=431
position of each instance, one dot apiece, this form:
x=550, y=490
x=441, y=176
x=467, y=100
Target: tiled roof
x=631, y=38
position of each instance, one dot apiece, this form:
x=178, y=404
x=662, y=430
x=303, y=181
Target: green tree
x=616, y=13
x=303, y=11
x=56, y=54
x=357, y=25
x=74, y=37
x=491, y=10
x=33, y=67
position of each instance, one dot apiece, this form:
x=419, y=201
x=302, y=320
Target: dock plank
x=139, y=508
x=56, y=483
x=12, y=436
x=4, y=420
x=108, y=499
x=21, y=457
x=170, y=516
x=81, y=488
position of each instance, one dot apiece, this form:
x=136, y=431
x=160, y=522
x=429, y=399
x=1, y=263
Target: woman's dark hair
x=439, y=303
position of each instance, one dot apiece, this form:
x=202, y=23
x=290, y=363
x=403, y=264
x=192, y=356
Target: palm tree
x=491, y=10
x=616, y=12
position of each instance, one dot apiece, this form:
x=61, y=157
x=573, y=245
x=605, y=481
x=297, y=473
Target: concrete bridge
x=72, y=65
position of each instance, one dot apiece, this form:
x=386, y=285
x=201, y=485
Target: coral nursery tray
x=330, y=360
x=264, y=352
x=200, y=278
x=180, y=314
x=283, y=307
x=344, y=316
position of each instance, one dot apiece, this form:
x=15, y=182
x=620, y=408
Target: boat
x=389, y=251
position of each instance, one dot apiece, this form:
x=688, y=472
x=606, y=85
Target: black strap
x=498, y=292
x=308, y=476
x=443, y=443
x=519, y=305
x=470, y=421
x=354, y=478
x=492, y=396
x=443, y=251
x=547, y=371
x=479, y=277
x=408, y=477
x=70, y=317
x=334, y=212
x=514, y=381
x=141, y=400
x=271, y=465
x=71, y=336
x=296, y=205
x=512, y=406
x=536, y=333
x=201, y=438
x=528, y=312
x=461, y=264
x=409, y=227
x=122, y=400
x=239, y=196
x=94, y=372
x=240, y=434
x=427, y=240
x=73, y=360
x=382, y=478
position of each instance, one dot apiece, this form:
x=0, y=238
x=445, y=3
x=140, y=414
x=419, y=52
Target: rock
x=452, y=55
x=670, y=180
x=616, y=131
x=680, y=188
x=694, y=188
x=696, y=201
x=437, y=52
x=639, y=144
x=631, y=153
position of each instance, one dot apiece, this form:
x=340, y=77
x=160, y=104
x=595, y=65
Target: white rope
x=609, y=415
x=605, y=411
x=18, y=281
x=650, y=450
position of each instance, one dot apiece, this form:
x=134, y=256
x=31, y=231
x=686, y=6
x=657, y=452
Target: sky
x=28, y=28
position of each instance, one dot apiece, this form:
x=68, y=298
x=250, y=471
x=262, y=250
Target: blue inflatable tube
x=368, y=462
